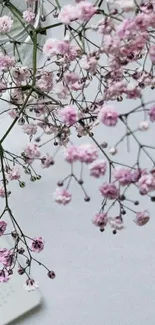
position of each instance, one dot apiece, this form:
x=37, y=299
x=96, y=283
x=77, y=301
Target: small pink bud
x=51, y=274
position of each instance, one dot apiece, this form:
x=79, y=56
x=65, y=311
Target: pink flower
x=21, y=73
x=71, y=77
x=5, y=24
x=69, y=115
x=142, y=218
x=109, y=191
x=116, y=223
x=6, y=62
x=136, y=174
x=14, y=174
x=152, y=114
x=89, y=63
x=31, y=152
x=30, y=129
x=152, y=53
x=71, y=154
x=13, y=113
x=67, y=14
x=100, y=220
x=98, y=168
x=4, y=276
x=37, y=245
x=2, y=192
x=87, y=153
x=45, y=81
x=108, y=116
x=3, y=225
x=62, y=196
x=123, y=176
x=6, y=257
x=146, y=183
x=29, y=15
x=30, y=285
x=53, y=47
x=86, y=10
x=47, y=161
x=126, y=28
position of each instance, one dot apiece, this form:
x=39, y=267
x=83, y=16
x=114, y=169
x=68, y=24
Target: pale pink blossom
x=2, y=192
x=105, y=26
x=13, y=113
x=47, y=161
x=14, y=174
x=64, y=48
x=61, y=91
x=30, y=285
x=152, y=114
x=69, y=115
x=85, y=10
x=30, y=129
x=123, y=176
x=136, y=174
x=98, y=168
x=116, y=223
x=4, y=277
x=31, y=152
x=68, y=14
x=108, y=116
x=109, y=191
x=126, y=28
x=3, y=226
x=21, y=73
x=152, y=53
x=87, y=153
x=29, y=15
x=37, y=245
x=6, y=62
x=5, y=24
x=53, y=47
x=45, y=81
x=6, y=257
x=100, y=220
x=62, y=196
x=142, y=218
x=146, y=183
x=71, y=77
x=143, y=20
x=71, y=154
x=89, y=63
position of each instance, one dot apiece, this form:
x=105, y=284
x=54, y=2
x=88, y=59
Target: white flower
x=144, y=125
x=126, y=5
x=30, y=285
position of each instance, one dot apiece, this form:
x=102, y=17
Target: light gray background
x=101, y=279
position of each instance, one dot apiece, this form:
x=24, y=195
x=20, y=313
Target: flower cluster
x=105, y=60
